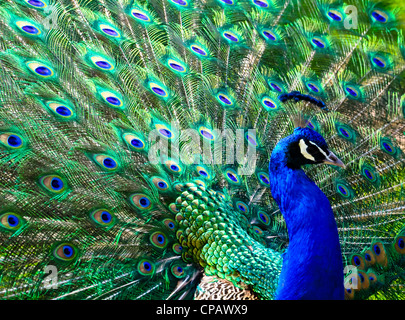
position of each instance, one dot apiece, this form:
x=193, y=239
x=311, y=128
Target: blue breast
x=312, y=266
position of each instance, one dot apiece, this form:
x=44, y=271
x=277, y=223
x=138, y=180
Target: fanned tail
x=96, y=99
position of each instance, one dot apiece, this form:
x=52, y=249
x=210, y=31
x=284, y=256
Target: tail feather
x=93, y=91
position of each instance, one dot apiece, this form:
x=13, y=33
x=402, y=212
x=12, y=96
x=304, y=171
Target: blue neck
x=312, y=266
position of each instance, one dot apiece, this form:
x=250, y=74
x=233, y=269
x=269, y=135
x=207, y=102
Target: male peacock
x=119, y=173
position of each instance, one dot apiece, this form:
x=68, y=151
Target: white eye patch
x=303, y=149
x=331, y=157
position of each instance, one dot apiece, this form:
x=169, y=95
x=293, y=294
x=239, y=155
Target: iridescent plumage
x=135, y=139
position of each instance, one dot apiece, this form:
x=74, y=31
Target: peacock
x=202, y=149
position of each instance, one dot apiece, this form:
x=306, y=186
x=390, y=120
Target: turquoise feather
x=136, y=138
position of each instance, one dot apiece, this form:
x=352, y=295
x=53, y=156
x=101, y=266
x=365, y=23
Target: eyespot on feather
x=177, y=270
x=112, y=99
x=109, y=31
x=242, y=207
x=11, y=221
x=358, y=261
x=65, y=252
x=141, y=201
x=106, y=162
x=257, y=230
x=177, y=248
x=380, y=254
x=40, y=69
x=169, y=223
x=264, y=178
x=173, y=167
x=173, y=208
x=28, y=28
x=37, y=4
x=349, y=293
x=12, y=141
x=158, y=89
x=206, y=133
x=102, y=63
x=399, y=244
x=369, y=257
x=158, y=239
x=203, y=172
x=164, y=131
x=141, y=16
x=134, y=142
x=161, y=184
x=379, y=16
x=269, y=104
x=146, y=267
x=200, y=183
x=263, y=217
x=230, y=36
x=364, y=280
x=372, y=277
x=53, y=183
x=103, y=217
x=176, y=66
x=232, y=177
x=198, y=50
x=180, y=3
x=61, y=110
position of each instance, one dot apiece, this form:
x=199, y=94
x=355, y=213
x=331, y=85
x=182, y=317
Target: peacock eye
x=169, y=223
x=178, y=271
x=173, y=167
x=61, y=110
x=263, y=217
x=164, y=131
x=146, y=267
x=232, y=177
x=11, y=221
x=158, y=239
x=36, y=3
x=198, y=50
x=206, y=133
x=65, y=252
x=141, y=201
x=28, y=28
x=12, y=141
x=106, y=162
x=109, y=30
x=177, y=248
x=242, y=207
x=173, y=208
x=400, y=244
x=134, y=142
x=202, y=172
x=160, y=183
x=102, y=217
x=261, y=3
x=40, y=69
x=181, y=3
x=257, y=230
x=377, y=249
x=158, y=89
x=53, y=183
x=101, y=63
x=112, y=99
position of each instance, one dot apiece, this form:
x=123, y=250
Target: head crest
x=298, y=96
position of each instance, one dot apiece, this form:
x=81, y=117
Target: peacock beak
x=334, y=161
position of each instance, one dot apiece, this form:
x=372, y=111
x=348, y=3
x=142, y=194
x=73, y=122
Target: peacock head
x=309, y=147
